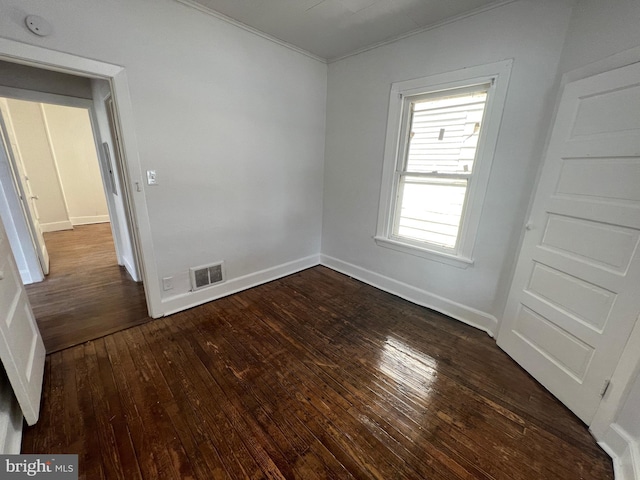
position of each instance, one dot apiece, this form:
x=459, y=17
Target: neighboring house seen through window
x=441, y=135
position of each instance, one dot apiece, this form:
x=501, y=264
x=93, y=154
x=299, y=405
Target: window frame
x=402, y=170
x=496, y=75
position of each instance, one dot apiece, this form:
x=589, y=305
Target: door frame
x=115, y=173
x=12, y=93
x=88, y=105
x=29, y=240
x=38, y=57
x=628, y=367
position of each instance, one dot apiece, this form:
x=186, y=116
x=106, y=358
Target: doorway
x=85, y=283
x=86, y=295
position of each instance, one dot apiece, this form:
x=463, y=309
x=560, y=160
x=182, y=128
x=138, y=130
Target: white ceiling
x=334, y=28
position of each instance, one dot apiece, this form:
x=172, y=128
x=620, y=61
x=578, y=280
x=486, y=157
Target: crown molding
x=447, y=21
x=243, y=26
x=220, y=16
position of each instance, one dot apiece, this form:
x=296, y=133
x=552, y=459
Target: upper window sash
x=408, y=111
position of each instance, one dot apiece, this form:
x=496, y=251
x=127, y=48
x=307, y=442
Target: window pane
x=444, y=133
x=430, y=209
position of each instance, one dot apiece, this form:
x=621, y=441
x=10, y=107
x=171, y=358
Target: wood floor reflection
x=86, y=294
x=315, y=375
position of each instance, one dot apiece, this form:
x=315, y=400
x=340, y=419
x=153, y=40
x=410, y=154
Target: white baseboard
x=480, y=320
x=89, y=220
x=193, y=299
x=623, y=450
x=56, y=226
x=470, y=316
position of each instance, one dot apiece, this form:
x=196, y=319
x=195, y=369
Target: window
x=440, y=137
x=441, y=134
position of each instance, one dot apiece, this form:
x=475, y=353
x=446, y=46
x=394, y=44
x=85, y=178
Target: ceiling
x=332, y=29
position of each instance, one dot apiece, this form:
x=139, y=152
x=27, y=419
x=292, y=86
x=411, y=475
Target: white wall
x=232, y=123
x=600, y=29
x=75, y=155
x=532, y=33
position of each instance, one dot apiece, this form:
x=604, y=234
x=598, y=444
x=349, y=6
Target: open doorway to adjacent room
x=69, y=217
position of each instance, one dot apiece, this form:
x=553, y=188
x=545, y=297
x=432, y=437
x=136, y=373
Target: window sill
x=442, y=257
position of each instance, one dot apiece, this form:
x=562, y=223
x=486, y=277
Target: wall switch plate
x=152, y=179
x=167, y=283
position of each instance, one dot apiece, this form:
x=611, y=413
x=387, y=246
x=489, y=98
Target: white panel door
x=576, y=292
x=29, y=200
x=21, y=349
x=27, y=197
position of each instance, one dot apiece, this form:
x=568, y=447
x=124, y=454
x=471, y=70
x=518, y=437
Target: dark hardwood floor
x=312, y=376
x=86, y=294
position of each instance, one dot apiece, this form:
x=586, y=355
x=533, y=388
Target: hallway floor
x=86, y=295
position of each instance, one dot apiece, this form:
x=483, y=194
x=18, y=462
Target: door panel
x=593, y=242
x=21, y=349
x=609, y=111
x=602, y=178
x=561, y=347
x=574, y=298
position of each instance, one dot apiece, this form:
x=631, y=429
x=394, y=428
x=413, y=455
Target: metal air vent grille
x=206, y=275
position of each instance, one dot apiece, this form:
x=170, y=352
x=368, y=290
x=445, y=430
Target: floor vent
x=206, y=275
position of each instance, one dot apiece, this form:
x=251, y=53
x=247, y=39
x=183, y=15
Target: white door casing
x=28, y=198
x=22, y=351
x=14, y=51
x=116, y=166
x=575, y=296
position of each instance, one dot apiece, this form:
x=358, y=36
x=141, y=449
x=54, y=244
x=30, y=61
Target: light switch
x=152, y=179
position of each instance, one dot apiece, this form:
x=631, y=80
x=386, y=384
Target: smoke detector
x=38, y=25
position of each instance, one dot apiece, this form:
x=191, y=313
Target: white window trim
x=497, y=74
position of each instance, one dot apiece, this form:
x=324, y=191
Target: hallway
x=86, y=295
